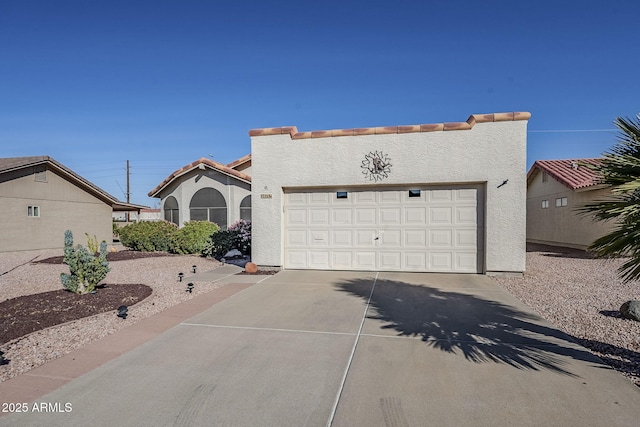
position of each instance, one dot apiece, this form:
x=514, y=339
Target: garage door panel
x=296, y=259
x=342, y=260
x=365, y=216
x=441, y=216
x=318, y=216
x=441, y=238
x=466, y=215
x=296, y=217
x=342, y=238
x=466, y=262
x=440, y=196
x=390, y=260
x=391, y=238
x=415, y=261
x=319, y=198
x=297, y=199
x=415, y=216
x=319, y=260
x=365, y=238
x=467, y=194
x=431, y=228
x=342, y=216
x=364, y=197
x=390, y=216
x=415, y=237
x=297, y=238
x=466, y=238
x=441, y=261
x=392, y=197
x=365, y=260
x=319, y=238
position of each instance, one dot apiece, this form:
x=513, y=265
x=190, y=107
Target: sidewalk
x=50, y=376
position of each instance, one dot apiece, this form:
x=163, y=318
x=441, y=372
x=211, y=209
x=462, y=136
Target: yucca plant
x=620, y=169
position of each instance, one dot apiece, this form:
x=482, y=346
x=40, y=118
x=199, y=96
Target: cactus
x=92, y=243
x=86, y=269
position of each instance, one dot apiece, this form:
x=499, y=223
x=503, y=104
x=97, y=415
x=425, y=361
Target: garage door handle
x=376, y=238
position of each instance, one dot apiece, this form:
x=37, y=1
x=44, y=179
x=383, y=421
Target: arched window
x=171, y=210
x=208, y=204
x=245, y=208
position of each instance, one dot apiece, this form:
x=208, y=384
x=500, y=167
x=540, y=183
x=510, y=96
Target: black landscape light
x=190, y=287
x=195, y=268
x=123, y=312
x=180, y=276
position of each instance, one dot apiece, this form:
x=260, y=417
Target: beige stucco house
x=41, y=199
x=445, y=197
x=555, y=190
x=207, y=190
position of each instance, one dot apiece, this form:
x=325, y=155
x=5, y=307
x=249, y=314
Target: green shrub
x=148, y=236
x=219, y=244
x=86, y=269
x=193, y=237
x=237, y=236
x=116, y=229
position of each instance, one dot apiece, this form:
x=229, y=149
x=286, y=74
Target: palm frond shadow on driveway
x=464, y=324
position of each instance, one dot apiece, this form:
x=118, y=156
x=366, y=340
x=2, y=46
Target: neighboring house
x=41, y=199
x=207, y=190
x=144, y=215
x=555, y=189
x=447, y=197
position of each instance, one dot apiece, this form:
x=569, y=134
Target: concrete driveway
x=314, y=348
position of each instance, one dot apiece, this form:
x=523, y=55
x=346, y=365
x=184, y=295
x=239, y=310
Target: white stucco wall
x=487, y=153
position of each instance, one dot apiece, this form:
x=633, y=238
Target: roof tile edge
x=473, y=119
x=201, y=161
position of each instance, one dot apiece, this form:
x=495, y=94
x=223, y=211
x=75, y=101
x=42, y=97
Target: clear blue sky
x=163, y=83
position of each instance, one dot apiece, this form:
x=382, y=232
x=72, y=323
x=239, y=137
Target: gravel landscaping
x=575, y=292
x=582, y=295
x=21, y=274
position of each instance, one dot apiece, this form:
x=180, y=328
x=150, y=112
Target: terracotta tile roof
x=572, y=173
x=471, y=121
x=240, y=161
x=205, y=163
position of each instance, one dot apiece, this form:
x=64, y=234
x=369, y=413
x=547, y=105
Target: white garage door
x=434, y=229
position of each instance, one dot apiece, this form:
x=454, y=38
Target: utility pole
x=128, y=190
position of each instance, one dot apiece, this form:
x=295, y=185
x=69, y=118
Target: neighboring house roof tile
x=571, y=173
x=8, y=164
x=203, y=162
x=470, y=123
x=240, y=161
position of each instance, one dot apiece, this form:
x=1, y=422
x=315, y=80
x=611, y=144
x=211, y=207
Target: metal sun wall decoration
x=376, y=166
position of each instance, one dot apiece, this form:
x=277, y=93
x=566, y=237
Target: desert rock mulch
x=111, y=256
x=23, y=315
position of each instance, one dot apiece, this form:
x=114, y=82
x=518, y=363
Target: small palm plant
x=620, y=169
